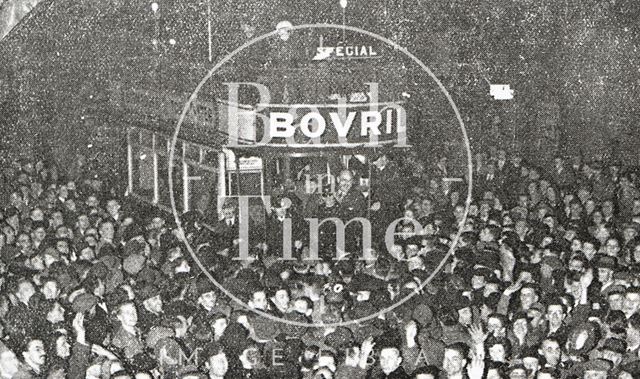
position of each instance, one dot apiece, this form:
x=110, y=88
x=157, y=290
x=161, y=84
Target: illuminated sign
x=364, y=124
x=326, y=52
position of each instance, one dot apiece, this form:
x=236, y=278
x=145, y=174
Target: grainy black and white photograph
x=319, y=189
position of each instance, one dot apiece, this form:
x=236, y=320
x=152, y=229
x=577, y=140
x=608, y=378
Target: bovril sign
x=363, y=124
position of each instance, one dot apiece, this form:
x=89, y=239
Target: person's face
x=576, y=265
x=595, y=375
x=56, y=314
x=531, y=364
x=604, y=274
x=521, y=227
x=597, y=218
x=555, y=315
x=24, y=242
x=426, y=206
x=636, y=254
x=107, y=231
x=258, y=300
x=528, y=297
x=57, y=219
x=220, y=325
x=35, y=352
x=154, y=304
x=113, y=206
x=557, y=162
x=576, y=210
x=631, y=304
x=485, y=235
x=282, y=298
x=345, y=180
x=63, y=348
x=632, y=336
x=92, y=202
x=50, y=290
x=25, y=291
x=37, y=214
x=551, y=194
x=91, y=240
x=612, y=247
x=9, y=364
x=414, y=263
x=208, y=300
x=39, y=234
x=518, y=373
x=453, y=363
x=424, y=376
x=83, y=222
x=301, y=307
x=551, y=352
x=497, y=353
x=616, y=301
x=87, y=254
x=218, y=365
x=629, y=234
x=494, y=326
x=520, y=326
x=128, y=315
x=465, y=317
x=62, y=247
x=390, y=360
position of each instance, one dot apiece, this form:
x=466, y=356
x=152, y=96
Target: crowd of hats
x=536, y=240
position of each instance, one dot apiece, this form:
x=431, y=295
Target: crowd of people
x=543, y=282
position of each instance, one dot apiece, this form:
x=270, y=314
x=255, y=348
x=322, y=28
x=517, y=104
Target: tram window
x=203, y=191
x=210, y=158
x=163, y=183
x=134, y=136
x=145, y=137
x=192, y=152
x=250, y=183
x=143, y=171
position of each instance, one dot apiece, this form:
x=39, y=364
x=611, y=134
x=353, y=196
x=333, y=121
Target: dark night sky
x=573, y=63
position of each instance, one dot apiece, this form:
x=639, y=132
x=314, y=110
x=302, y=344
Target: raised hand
x=475, y=369
x=513, y=288
x=411, y=331
x=478, y=336
x=101, y=351
x=365, y=350
x=78, y=327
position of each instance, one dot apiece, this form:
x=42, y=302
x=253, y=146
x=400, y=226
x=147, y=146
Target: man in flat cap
x=596, y=369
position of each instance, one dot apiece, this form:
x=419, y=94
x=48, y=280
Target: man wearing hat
x=150, y=312
x=606, y=266
x=613, y=350
x=390, y=363
x=127, y=336
x=226, y=229
x=217, y=362
x=596, y=369
x=631, y=303
x=9, y=364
